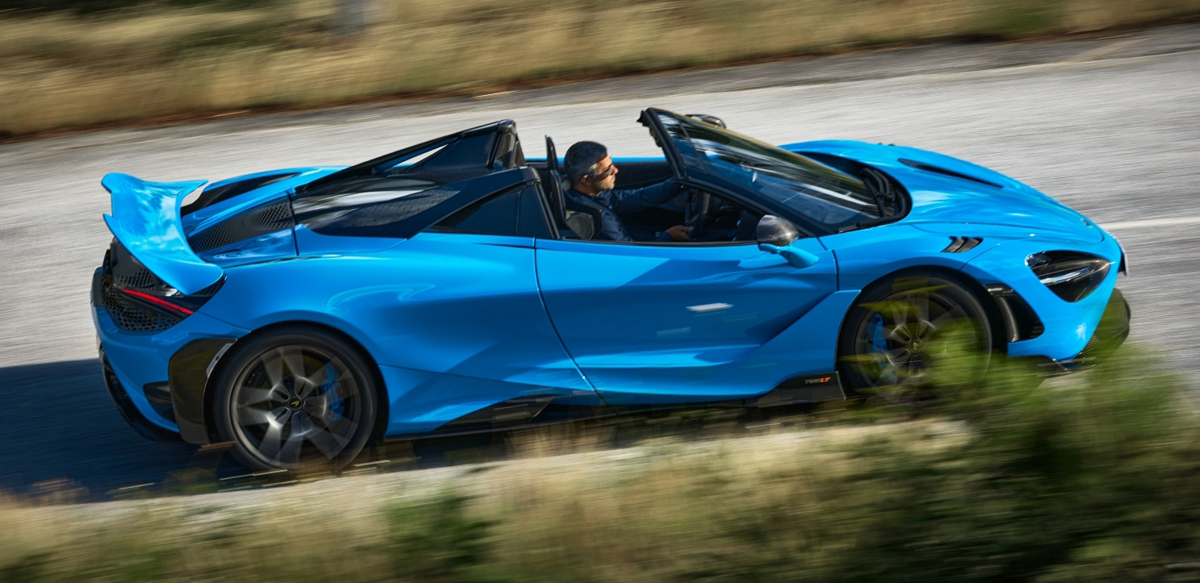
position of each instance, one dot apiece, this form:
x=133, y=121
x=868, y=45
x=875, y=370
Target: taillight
x=139, y=301
x=157, y=301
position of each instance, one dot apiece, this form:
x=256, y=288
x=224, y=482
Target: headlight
x=1069, y=274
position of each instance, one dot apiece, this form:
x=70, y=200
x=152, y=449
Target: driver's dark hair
x=581, y=158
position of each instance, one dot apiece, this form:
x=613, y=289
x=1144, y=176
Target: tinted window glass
x=496, y=215
x=375, y=202
x=819, y=192
x=212, y=196
x=532, y=219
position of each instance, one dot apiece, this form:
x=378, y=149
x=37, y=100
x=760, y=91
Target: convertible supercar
x=450, y=287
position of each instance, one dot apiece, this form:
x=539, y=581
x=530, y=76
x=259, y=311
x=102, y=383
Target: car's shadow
x=63, y=434
x=62, y=439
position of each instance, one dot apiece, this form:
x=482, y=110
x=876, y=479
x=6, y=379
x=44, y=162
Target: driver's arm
x=640, y=199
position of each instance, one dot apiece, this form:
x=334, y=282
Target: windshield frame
x=689, y=157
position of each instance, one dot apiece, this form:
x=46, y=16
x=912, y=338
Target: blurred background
x=1089, y=477
x=82, y=62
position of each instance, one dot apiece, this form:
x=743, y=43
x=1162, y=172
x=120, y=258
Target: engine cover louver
x=253, y=223
x=962, y=244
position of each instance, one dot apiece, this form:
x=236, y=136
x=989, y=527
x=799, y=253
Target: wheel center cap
x=915, y=345
x=294, y=403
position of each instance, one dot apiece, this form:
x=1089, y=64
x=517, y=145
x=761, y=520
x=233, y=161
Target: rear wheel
x=295, y=398
x=908, y=336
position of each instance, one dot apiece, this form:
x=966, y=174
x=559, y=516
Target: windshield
x=818, y=192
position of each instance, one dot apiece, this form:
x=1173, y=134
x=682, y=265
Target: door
x=676, y=323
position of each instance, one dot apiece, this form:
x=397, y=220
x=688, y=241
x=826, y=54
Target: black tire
x=910, y=335
x=274, y=402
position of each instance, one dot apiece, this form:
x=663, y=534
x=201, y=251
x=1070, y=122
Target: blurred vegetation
x=78, y=62
x=87, y=7
x=1092, y=477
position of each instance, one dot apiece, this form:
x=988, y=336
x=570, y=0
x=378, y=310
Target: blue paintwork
x=209, y=215
x=458, y=322
x=141, y=358
x=1068, y=325
x=941, y=198
x=145, y=219
x=649, y=319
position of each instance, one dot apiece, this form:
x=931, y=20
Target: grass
x=1092, y=477
x=61, y=70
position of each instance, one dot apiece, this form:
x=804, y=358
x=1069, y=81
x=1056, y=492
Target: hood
x=948, y=190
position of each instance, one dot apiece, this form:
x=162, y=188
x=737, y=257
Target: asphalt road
x=1109, y=125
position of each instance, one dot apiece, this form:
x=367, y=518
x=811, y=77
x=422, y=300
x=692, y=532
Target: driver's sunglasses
x=612, y=169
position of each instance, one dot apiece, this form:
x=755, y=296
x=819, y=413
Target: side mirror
x=709, y=119
x=775, y=235
x=776, y=231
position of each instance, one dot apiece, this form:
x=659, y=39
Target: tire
x=274, y=401
x=909, y=336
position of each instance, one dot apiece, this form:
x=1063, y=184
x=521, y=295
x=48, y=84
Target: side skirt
x=541, y=410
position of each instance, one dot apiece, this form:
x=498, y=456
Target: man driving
x=592, y=175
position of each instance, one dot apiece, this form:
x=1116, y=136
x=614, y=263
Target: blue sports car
x=301, y=314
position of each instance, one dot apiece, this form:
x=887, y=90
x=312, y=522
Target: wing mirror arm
x=797, y=257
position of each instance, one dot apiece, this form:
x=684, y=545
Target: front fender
x=866, y=255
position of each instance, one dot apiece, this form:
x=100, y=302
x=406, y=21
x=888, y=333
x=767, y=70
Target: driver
x=592, y=175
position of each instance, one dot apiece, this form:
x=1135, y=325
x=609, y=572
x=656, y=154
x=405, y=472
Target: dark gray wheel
x=906, y=336
x=295, y=398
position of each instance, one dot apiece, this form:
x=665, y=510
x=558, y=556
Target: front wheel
x=294, y=398
x=907, y=336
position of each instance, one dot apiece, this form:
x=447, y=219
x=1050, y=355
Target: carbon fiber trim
x=188, y=371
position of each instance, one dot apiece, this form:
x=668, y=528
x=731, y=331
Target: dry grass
x=641, y=514
x=59, y=71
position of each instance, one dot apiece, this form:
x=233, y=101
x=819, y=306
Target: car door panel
x=667, y=323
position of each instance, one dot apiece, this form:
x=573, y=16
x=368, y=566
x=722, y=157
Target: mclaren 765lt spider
x=447, y=287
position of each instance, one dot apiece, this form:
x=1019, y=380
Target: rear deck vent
x=962, y=244
x=218, y=235
x=945, y=171
x=253, y=223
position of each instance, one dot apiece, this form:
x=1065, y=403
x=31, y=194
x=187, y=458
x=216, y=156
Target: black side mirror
x=775, y=235
x=709, y=119
x=776, y=231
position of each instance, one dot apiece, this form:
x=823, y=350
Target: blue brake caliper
x=879, y=345
x=330, y=388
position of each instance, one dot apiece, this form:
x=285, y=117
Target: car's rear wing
x=146, y=220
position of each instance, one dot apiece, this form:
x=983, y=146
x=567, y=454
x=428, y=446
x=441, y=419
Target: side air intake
x=962, y=244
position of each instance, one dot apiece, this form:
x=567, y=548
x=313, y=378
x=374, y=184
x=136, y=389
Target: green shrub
x=437, y=541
